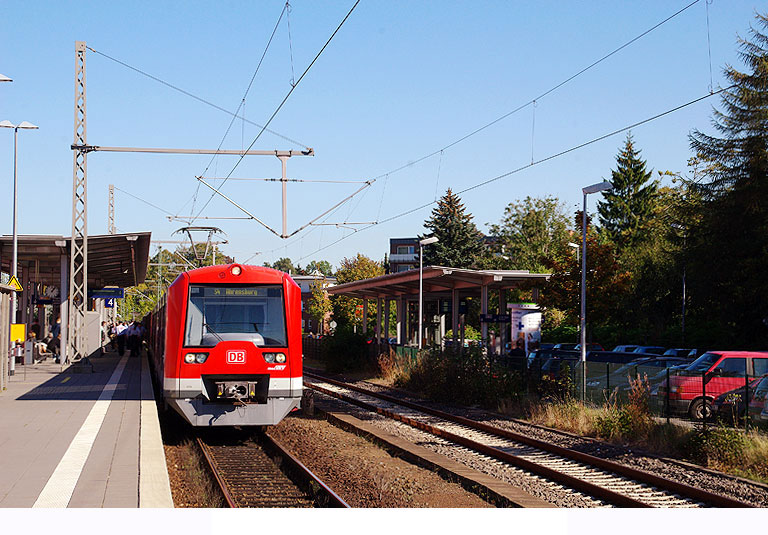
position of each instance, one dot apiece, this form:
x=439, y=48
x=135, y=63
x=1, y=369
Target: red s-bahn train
x=225, y=345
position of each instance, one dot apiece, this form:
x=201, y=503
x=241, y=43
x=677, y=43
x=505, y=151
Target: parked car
x=624, y=349
x=730, y=407
x=567, y=347
x=590, y=347
x=758, y=405
x=546, y=346
x=678, y=353
x=694, y=388
x=653, y=350
x=648, y=366
x=696, y=353
x=554, y=364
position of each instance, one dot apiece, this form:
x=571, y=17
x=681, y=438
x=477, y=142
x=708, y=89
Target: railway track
x=263, y=475
x=608, y=482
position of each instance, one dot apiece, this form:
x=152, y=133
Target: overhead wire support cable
x=285, y=99
x=533, y=164
x=166, y=212
x=199, y=99
x=542, y=95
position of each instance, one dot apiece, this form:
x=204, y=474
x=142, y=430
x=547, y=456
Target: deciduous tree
x=532, y=232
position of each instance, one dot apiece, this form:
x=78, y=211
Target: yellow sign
x=14, y=283
x=18, y=332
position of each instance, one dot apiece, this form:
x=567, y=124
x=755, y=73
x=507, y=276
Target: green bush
x=561, y=333
x=470, y=333
x=465, y=377
x=345, y=350
x=716, y=445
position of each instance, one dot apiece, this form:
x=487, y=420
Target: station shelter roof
x=438, y=281
x=113, y=259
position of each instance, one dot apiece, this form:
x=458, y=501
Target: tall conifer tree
x=460, y=242
x=629, y=205
x=728, y=251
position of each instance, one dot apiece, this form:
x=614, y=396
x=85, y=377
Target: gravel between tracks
x=363, y=474
x=745, y=491
x=554, y=493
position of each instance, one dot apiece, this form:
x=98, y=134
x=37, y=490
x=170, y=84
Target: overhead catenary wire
x=528, y=166
x=199, y=99
x=241, y=106
x=282, y=103
x=163, y=210
x=540, y=96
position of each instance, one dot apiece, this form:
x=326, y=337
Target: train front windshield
x=223, y=312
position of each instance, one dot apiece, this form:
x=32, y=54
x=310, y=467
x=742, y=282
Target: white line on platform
x=58, y=491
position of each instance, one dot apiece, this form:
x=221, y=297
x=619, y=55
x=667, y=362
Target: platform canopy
x=113, y=259
x=439, y=283
x=437, y=280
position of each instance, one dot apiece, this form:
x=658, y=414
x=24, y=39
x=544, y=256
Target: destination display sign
x=235, y=291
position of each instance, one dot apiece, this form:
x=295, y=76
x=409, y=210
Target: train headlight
x=271, y=358
x=195, y=358
x=236, y=270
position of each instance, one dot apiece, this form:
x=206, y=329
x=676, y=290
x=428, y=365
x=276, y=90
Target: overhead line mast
x=76, y=343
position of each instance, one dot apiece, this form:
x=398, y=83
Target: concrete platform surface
x=82, y=439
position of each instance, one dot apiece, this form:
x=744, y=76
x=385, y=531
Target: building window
x=405, y=249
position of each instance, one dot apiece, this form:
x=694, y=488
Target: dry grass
x=746, y=457
x=569, y=416
x=392, y=369
x=755, y=457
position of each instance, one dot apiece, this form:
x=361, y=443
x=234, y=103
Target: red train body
x=226, y=345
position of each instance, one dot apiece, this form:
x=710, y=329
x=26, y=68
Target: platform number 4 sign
x=109, y=302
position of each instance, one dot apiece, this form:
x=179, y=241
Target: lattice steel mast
x=111, y=225
x=77, y=339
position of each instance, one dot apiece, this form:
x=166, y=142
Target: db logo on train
x=236, y=357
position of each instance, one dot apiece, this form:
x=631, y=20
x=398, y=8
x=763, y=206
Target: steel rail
x=215, y=473
x=572, y=482
x=326, y=495
x=706, y=497
x=296, y=471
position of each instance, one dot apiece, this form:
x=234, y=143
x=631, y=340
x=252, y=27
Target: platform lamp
x=594, y=188
x=422, y=243
x=24, y=125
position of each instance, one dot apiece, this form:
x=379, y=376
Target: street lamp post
x=594, y=188
x=24, y=125
x=4, y=78
x=422, y=243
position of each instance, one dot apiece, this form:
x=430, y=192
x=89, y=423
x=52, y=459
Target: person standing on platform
x=56, y=328
x=134, y=338
x=121, y=338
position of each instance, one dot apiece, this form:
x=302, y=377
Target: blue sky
x=399, y=81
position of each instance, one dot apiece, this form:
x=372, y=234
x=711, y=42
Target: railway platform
x=82, y=440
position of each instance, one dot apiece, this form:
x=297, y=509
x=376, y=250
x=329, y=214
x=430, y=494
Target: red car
x=694, y=389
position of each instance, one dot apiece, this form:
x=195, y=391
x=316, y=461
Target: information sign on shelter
x=104, y=293
x=525, y=323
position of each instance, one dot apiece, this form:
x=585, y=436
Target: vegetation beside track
x=469, y=379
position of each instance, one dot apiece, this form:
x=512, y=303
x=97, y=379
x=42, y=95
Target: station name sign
x=494, y=318
x=106, y=293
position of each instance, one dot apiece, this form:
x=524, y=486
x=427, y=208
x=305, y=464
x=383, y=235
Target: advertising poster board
x=525, y=322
